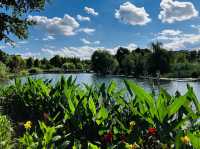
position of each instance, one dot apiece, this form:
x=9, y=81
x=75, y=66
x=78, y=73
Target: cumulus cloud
x=128, y=13
x=90, y=11
x=172, y=10
x=170, y=32
x=177, y=40
x=29, y=54
x=82, y=18
x=86, y=30
x=48, y=37
x=85, y=41
x=83, y=52
x=64, y=26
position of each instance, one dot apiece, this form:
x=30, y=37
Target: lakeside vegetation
x=153, y=62
x=16, y=65
x=66, y=115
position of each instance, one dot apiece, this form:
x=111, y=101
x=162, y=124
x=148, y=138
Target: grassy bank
x=68, y=116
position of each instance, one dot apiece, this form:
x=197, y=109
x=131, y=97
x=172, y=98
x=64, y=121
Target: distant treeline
x=18, y=65
x=139, y=62
x=148, y=62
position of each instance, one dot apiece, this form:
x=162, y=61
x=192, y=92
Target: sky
x=76, y=28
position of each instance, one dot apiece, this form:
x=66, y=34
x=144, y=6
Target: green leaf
x=176, y=105
x=194, y=140
x=102, y=115
x=92, y=106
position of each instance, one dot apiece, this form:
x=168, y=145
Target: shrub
x=5, y=133
x=69, y=66
x=34, y=70
x=3, y=70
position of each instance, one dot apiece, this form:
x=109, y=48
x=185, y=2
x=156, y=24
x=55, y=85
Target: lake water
x=88, y=78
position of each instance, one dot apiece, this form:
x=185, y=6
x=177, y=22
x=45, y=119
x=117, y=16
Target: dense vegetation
x=144, y=62
x=66, y=115
x=18, y=65
x=13, y=18
x=139, y=62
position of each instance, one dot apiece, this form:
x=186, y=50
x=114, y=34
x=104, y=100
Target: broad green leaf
x=194, y=140
x=176, y=105
x=92, y=106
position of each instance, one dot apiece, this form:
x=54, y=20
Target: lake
x=89, y=78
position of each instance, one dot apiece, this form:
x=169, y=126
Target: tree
x=121, y=53
x=68, y=66
x=128, y=64
x=37, y=63
x=103, y=62
x=16, y=63
x=56, y=61
x=159, y=60
x=3, y=70
x=3, y=57
x=29, y=62
x=13, y=19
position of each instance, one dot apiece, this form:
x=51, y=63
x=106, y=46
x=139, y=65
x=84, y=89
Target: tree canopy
x=13, y=19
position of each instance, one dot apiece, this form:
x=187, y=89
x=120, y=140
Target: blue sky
x=79, y=27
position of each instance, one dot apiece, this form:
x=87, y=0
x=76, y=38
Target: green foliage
x=6, y=132
x=102, y=116
x=14, y=19
x=68, y=66
x=103, y=62
x=3, y=70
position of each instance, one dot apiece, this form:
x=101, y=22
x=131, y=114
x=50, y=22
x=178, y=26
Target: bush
x=34, y=70
x=3, y=70
x=68, y=66
x=5, y=133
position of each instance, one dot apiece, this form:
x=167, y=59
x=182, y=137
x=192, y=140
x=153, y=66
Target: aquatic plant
x=102, y=116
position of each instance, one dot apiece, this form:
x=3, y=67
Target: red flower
x=108, y=137
x=152, y=131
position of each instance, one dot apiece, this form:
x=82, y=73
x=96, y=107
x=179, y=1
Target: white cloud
x=82, y=18
x=97, y=42
x=86, y=30
x=196, y=27
x=172, y=10
x=48, y=37
x=85, y=41
x=64, y=26
x=170, y=32
x=83, y=52
x=130, y=14
x=132, y=46
x=178, y=40
x=91, y=11
x=29, y=54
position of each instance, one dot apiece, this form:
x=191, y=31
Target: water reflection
x=170, y=86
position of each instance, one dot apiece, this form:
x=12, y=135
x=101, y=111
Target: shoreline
x=11, y=76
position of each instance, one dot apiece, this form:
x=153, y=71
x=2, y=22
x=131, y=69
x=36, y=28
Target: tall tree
x=159, y=59
x=103, y=62
x=13, y=18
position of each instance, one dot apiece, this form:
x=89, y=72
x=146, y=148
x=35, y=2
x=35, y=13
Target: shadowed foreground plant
x=6, y=132
x=103, y=116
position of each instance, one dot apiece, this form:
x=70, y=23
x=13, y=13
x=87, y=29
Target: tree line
x=143, y=62
x=17, y=64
